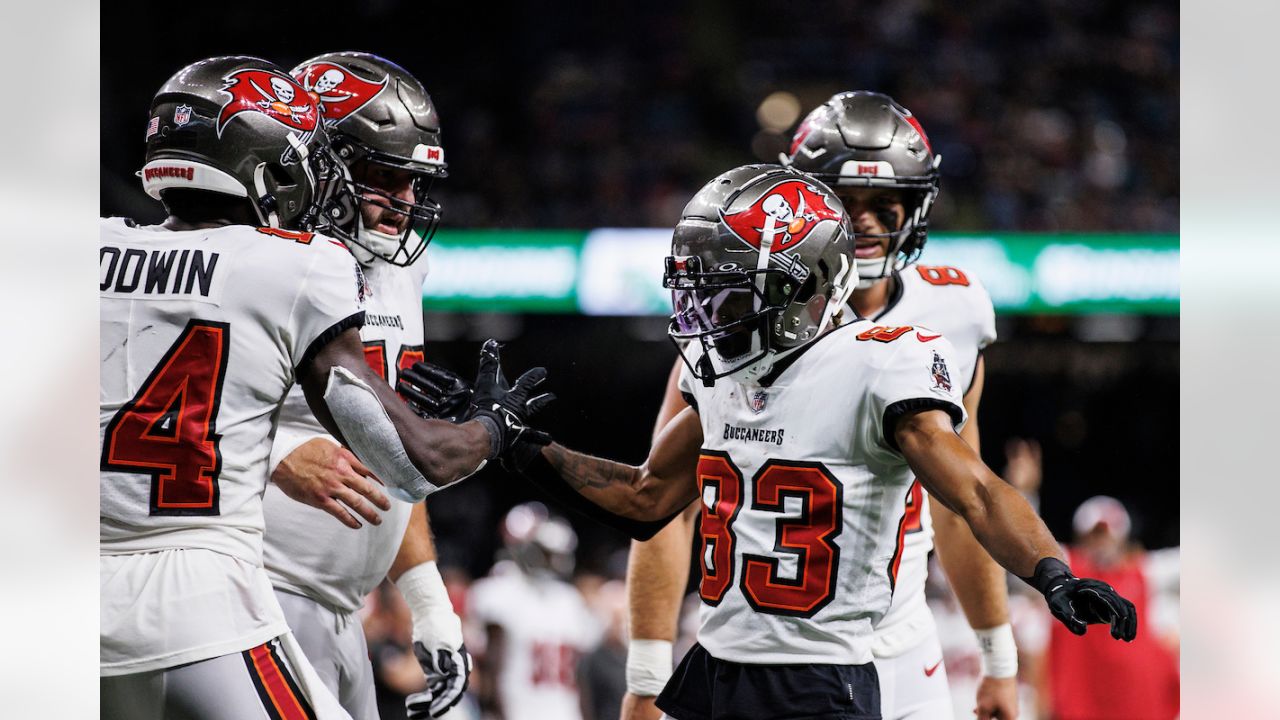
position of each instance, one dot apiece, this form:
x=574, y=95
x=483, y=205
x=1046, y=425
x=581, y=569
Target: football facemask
x=422, y=216
x=727, y=312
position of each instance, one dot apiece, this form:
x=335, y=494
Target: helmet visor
x=721, y=315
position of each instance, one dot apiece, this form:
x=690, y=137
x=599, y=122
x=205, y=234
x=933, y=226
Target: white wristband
x=429, y=605
x=999, y=652
x=648, y=667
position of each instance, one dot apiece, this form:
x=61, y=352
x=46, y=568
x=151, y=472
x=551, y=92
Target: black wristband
x=1047, y=571
x=495, y=433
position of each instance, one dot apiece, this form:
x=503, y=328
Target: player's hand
x=434, y=392
x=447, y=674
x=997, y=699
x=1081, y=602
x=437, y=641
x=509, y=407
x=327, y=476
x=1023, y=465
x=635, y=707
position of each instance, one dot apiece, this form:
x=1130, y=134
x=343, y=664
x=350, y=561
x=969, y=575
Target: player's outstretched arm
x=638, y=501
x=979, y=585
x=1006, y=525
x=615, y=494
x=659, y=488
x=657, y=572
x=416, y=456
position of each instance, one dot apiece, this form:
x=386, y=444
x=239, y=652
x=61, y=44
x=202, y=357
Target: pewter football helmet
x=866, y=139
x=376, y=112
x=241, y=126
x=761, y=260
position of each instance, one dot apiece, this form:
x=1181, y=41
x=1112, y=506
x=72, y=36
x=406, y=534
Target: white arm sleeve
x=372, y=437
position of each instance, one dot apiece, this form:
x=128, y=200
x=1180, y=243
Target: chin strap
x=263, y=199
x=380, y=244
x=843, y=289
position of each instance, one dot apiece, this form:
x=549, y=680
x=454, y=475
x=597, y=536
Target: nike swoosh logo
x=927, y=338
x=929, y=671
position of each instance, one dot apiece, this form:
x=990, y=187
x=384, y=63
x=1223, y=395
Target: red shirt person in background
x=1094, y=678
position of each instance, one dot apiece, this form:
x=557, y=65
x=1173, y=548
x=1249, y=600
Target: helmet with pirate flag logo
x=241, y=126
x=761, y=260
x=866, y=139
x=378, y=115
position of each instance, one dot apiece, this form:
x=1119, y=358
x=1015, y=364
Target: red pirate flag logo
x=806, y=128
x=794, y=207
x=276, y=96
x=915, y=124
x=338, y=91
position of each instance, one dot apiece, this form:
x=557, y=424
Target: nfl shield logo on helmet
x=758, y=400
x=182, y=115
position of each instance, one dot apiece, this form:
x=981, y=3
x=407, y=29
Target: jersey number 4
x=169, y=429
x=809, y=539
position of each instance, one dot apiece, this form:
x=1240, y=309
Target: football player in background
x=804, y=441
x=1089, y=680
x=877, y=158
x=535, y=623
x=206, y=322
x=385, y=129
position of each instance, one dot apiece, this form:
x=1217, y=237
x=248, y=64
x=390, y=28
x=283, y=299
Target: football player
x=536, y=625
x=207, y=320
x=384, y=126
x=803, y=441
x=873, y=153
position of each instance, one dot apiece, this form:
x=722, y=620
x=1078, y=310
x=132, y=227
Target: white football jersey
x=804, y=497
x=954, y=303
x=307, y=552
x=546, y=626
x=201, y=335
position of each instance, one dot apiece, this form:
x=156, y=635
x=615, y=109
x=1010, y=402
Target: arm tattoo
x=583, y=471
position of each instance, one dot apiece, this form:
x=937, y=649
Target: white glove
x=437, y=642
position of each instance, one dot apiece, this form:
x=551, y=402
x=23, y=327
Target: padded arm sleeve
x=372, y=437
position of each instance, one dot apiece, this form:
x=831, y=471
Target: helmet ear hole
x=810, y=284
x=280, y=178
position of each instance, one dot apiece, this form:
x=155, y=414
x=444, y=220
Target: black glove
x=434, y=392
x=1080, y=602
x=506, y=409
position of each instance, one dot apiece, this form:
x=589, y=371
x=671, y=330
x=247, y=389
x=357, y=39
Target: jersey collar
x=786, y=362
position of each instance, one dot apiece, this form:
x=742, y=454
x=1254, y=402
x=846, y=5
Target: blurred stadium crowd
x=1055, y=115
x=1052, y=115
x=1049, y=116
